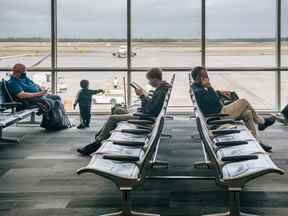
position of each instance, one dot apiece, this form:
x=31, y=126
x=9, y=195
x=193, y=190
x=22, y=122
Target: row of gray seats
x=232, y=152
x=125, y=157
x=11, y=112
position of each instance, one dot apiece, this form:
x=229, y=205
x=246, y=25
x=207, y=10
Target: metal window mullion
x=278, y=55
x=203, y=33
x=54, y=46
x=129, y=51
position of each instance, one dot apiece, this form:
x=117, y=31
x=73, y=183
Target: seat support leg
x=234, y=206
x=126, y=211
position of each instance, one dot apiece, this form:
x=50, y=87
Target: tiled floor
x=37, y=177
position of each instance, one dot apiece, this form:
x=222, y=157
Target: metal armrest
x=10, y=104
x=144, y=127
x=141, y=122
x=136, y=131
x=224, y=132
x=231, y=143
x=239, y=158
x=129, y=143
x=127, y=158
x=222, y=121
x=144, y=116
x=217, y=115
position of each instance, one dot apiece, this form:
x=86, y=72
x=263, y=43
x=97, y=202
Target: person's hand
x=139, y=92
x=42, y=93
x=226, y=93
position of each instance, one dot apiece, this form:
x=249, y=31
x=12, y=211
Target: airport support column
x=278, y=55
x=129, y=51
x=54, y=46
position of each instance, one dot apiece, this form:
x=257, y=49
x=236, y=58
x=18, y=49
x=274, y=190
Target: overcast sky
x=151, y=18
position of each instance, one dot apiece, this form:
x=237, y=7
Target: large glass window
x=91, y=33
x=257, y=87
x=111, y=82
x=241, y=33
x=180, y=94
x=25, y=33
x=166, y=33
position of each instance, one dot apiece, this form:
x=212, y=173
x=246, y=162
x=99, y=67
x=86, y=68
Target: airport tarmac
x=257, y=87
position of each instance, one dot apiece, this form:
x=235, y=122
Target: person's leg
x=247, y=117
x=53, y=97
x=111, y=124
x=88, y=117
x=104, y=133
x=82, y=118
x=236, y=108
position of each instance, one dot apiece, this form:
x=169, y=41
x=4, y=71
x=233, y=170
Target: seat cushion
x=112, y=169
x=252, y=147
x=246, y=168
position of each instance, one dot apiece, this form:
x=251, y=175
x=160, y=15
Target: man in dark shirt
x=241, y=109
x=21, y=86
x=150, y=106
x=84, y=98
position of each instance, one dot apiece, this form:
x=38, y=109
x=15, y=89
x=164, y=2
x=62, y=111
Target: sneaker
x=266, y=147
x=268, y=122
x=281, y=118
x=80, y=126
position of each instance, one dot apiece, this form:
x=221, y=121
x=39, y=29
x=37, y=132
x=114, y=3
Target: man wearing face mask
x=150, y=106
x=240, y=109
x=30, y=94
x=21, y=86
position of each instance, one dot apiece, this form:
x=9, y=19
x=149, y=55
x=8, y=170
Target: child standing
x=84, y=98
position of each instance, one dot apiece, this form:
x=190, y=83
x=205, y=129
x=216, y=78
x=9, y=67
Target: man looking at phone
x=21, y=86
x=150, y=106
x=25, y=90
x=240, y=109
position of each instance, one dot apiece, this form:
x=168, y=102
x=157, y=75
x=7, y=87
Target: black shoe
x=80, y=126
x=90, y=148
x=266, y=147
x=82, y=152
x=268, y=122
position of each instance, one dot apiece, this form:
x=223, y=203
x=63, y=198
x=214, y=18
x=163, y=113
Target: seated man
x=150, y=106
x=241, y=109
x=25, y=90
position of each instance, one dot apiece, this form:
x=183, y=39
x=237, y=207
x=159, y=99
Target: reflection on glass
x=166, y=33
x=257, y=87
x=91, y=33
x=24, y=35
x=112, y=83
x=241, y=33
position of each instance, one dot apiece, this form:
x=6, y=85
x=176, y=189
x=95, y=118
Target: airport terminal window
x=91, y=33
x=241, y=34
x=180, y=94
x=111, y=82
x=25, y=33
x=284, y=52
x=166, y=33
x=247, y=85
